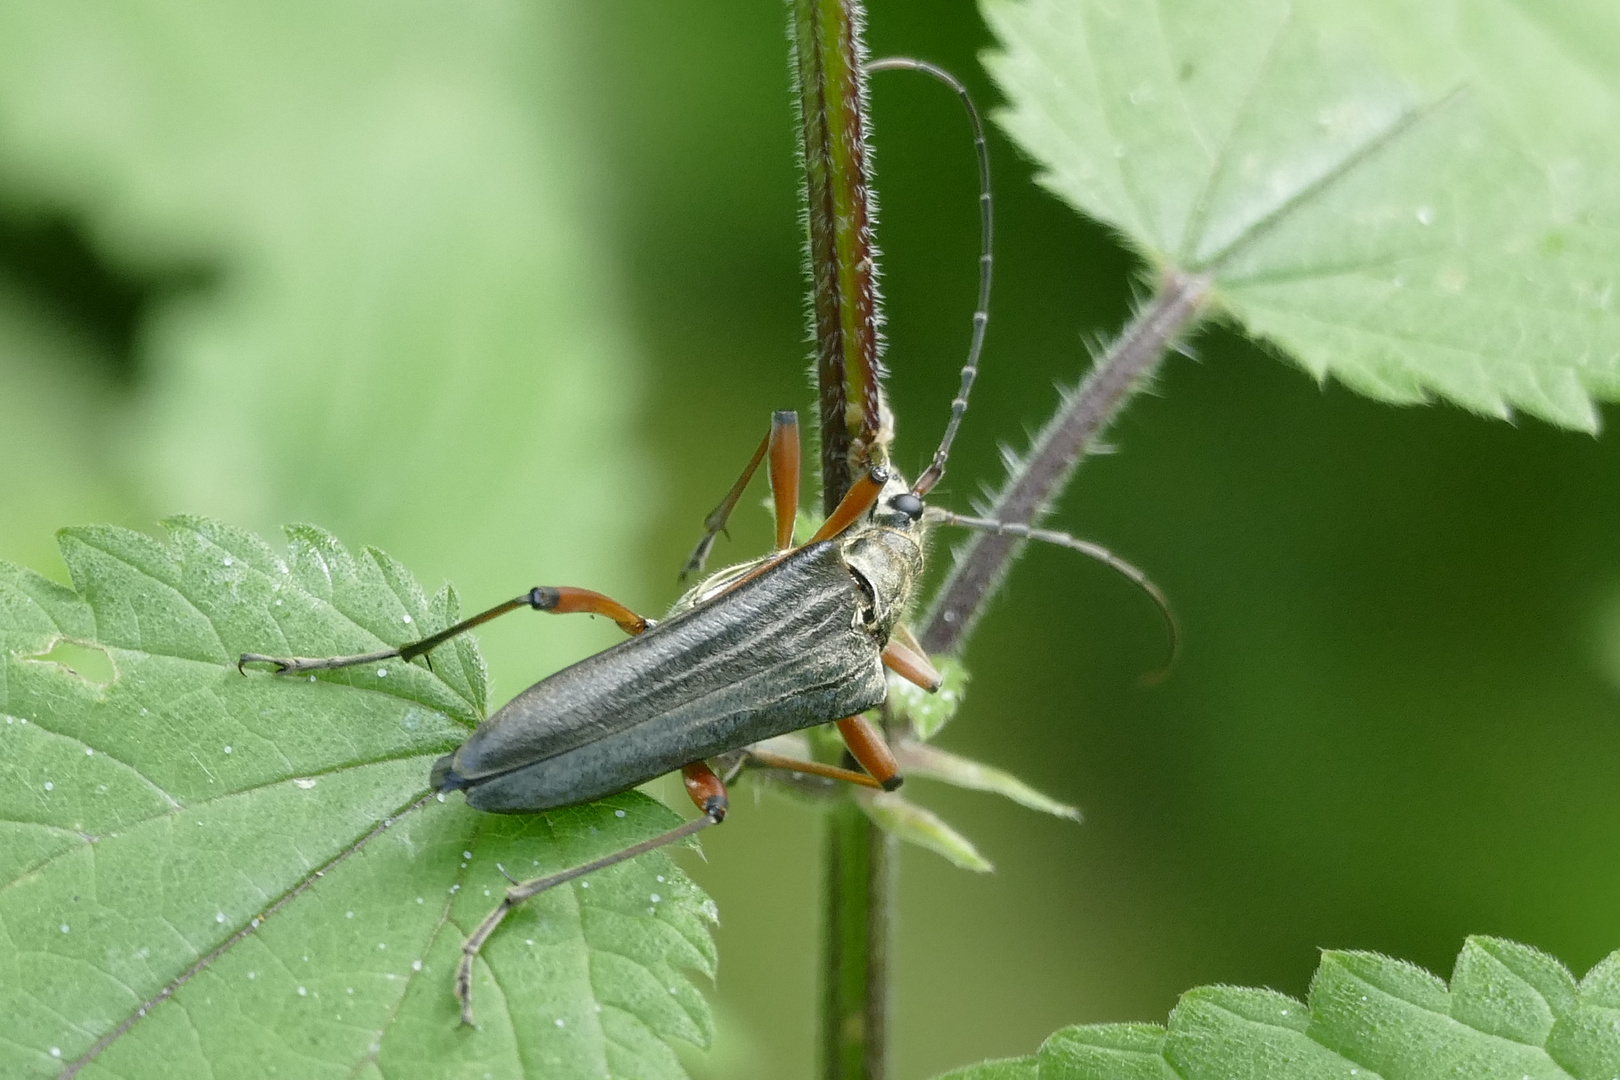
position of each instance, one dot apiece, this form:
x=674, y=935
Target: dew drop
x=348, y=915
x=660, y=879
x=618, y=813
x=584, y=884
x=348, y=990
x=561, y=1022
x=455, y=888
x=416, y=965
x=528, y=941
x=56, y=1051
x=407, y=618
x=88, y=752
x=673, y=990
x=655, y=898
x=219, y=916
x=49, y=786
x=305, y=782
x=228, y=560
x=419, y=900
x=382, y=673
x=1425, y=215
x=441, y=796
x=227, y=750
x=381, y=945
x=302, y=992
x=312, y=678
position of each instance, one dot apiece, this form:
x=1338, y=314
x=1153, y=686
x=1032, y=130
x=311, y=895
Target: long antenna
x=981, y=316
x=1084, y=547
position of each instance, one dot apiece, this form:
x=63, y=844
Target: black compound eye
x=908, y=504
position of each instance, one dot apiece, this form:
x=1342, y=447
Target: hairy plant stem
x=1058, y=451
x=858, y=876
x=861, y=861
x=828, y=52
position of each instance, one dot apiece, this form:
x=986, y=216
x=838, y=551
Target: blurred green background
x=510, y=289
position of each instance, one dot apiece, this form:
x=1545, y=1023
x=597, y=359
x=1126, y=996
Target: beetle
x=796, y=639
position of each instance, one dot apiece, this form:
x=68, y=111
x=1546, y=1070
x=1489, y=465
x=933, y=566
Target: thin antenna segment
x=1084, y=547
x=981, y=316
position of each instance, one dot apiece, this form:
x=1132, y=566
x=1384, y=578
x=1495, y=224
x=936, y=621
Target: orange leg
x=871, y=751
x=557, y=599
x=706, y=790
x=781, y=444
x=903, y=656
x=857, y=501
x=767, y=760
x=785, y=475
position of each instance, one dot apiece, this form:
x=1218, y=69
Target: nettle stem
x=861, y=861
x=858, y=876
x=1058, y=451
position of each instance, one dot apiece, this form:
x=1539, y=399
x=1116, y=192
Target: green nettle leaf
x=1025, y=1068
x=1510, y=1013
x=924, y=713
x=209, y=874
x=914, y=824
x=920, y=759
x=1390, y=198
x=396, y=208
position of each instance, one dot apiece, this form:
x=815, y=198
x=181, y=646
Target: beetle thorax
x=887, y=563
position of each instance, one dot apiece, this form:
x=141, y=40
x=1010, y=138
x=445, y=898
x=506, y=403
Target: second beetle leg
x=781, y=443
x=557, y=599
x=706, y=791
x=764, y=759
x=903, y=656
x=868, y=748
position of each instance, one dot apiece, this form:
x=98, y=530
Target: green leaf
x=919, y=759
x=205, y=873
x=918, y=825
x=1510, y=1013
x=1383, y=193
x=927, y=714
x=1023, y=1068
x=397, y=214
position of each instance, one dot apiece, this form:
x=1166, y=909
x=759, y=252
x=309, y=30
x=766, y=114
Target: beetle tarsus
x=294, y=665
x=257, y=658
